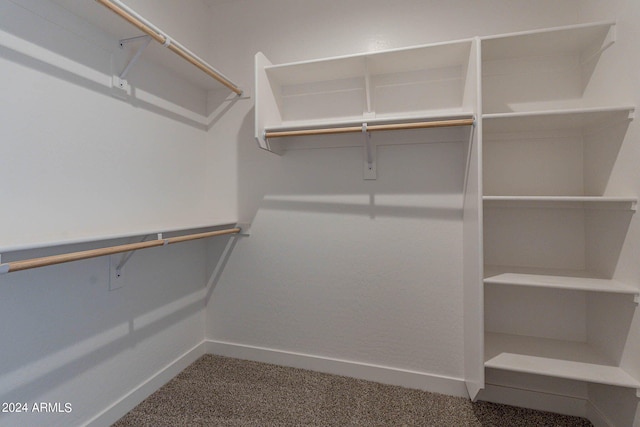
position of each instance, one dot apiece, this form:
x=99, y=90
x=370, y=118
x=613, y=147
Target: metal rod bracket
x=370, y=157
x=244, y=229
x=136, y=56
x=132, y=39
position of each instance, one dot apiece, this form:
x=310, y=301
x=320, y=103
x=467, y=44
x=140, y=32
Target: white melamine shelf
x=414, y=58
x=562, y=201
x=539, y=279
x=556, y=358
x=575, y=118
x=418, y=83
x=585, y=39
x=543, y=70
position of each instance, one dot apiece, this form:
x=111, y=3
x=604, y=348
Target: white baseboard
x=129, y=401
x=365, y=371
x=541, y=401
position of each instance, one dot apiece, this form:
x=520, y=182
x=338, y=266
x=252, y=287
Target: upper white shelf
x=589, y=284
x=583, y=39
x=562, y=201
x=556, y=358
x=422, y=83
x=544, y=70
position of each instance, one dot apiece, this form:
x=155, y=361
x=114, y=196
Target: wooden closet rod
x=371, y=128
x=146, y=27
x=26, y=264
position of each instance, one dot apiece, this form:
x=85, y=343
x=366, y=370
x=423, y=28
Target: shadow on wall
x=63, y=322
x=83, y=55
x=420, y=174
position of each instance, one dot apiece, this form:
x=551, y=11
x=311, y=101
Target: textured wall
x=338, y=267
x=77, y=163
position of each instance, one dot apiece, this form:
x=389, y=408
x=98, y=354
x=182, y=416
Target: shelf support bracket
x=609, y=40
x=116, y=281
x=370, y=161
x=136, y=56
x=636, y=300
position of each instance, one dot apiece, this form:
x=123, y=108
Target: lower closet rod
x=26, y=264
x=371, y=128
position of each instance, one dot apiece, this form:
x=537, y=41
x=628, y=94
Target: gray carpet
x=220, y=391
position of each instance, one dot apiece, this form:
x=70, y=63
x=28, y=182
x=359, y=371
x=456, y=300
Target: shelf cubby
x=554, y=154
x=544, y=69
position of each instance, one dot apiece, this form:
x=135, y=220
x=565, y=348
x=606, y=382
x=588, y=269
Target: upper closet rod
x=26, y=264
x=371, y=128
x=161, y=37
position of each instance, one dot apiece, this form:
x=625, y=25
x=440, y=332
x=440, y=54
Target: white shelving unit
x=542, y=224
x=423, y=83
x=429, y=83
x=544, y=70
x=552, y=224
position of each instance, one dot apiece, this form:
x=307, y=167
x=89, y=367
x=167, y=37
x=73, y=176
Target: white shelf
x=582, y=38
x=555, y=358
x=569, y=280
x=562, y=201
x=414, y=58
x=419, y=83
x=543, y=70
x=550, y=145
x=575, y=118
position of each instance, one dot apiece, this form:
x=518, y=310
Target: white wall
x=78, y=163
x=621, y=406
x=336, y=267
x=128, y=165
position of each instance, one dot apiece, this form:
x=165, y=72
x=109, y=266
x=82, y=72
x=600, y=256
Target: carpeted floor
x=219, y=391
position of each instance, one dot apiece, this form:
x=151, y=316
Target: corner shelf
x=592, y=202
x=555, y=358
x=586, y=39
x=556, y=279
x=585, y=119
x=542, y=69
x=551, y=141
